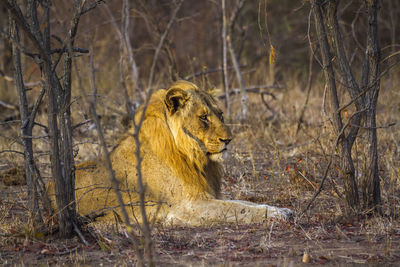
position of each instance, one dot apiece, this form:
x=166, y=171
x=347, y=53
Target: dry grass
x=267, y=163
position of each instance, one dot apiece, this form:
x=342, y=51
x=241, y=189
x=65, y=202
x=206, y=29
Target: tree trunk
x=60, y=139
x=225, y=59
x=7, y=61
x=58, y=99
x=26, y=127
x=370, y=179
x=61, y=168
x=347, y=167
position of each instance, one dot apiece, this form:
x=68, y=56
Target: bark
x=370, y=179
x=224, y=59
x=7, y=61
x=347, y=166
x=58, y=97
x=243, y=94
x=244, y=98
x=26, y=126
x=61, y=168
x=344, y=66
x=161, y=43
x=58, y=101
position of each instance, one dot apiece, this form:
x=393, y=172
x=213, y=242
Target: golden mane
x=189, y=162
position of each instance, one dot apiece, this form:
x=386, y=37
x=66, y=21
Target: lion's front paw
x=281, y=213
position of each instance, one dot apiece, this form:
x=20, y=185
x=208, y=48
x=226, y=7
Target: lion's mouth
x=216, y=153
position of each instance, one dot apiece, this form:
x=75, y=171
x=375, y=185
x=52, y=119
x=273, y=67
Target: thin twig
x=208, y=71
x=18, y=45
x=9, y=122
x=76, y=228
x=235, y=60
x=319, y=188
x=309, y=85
x=11, y=151
x=224, y=58
x=305, y=178
x=81, y=123
x=390, y=56
x=74, y=49
x=68, y=251
x=376, y=127
x=257, y=89
x=35, y=108
x=137, y=126
x=8, y=106
x=114, y=181
x=91, y=6
x=35, y=137
x=161, y=43
x=344, y=127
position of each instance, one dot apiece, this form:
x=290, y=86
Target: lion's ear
x=176, y=99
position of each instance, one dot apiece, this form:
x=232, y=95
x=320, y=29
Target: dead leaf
x=306, y=258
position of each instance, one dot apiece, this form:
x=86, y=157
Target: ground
x=276, y=243
x=267, y=163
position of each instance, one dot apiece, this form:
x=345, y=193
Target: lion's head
x=196, y=122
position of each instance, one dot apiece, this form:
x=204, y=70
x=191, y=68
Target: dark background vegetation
x=272, y=160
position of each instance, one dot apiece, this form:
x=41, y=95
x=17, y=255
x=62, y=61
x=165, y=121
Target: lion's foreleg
x=229, y=211
x=271, y=211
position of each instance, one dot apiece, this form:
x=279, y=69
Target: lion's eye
x=204, y=118
x=221, y=116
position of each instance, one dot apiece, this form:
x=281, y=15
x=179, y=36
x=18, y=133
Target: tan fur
x=182, y=140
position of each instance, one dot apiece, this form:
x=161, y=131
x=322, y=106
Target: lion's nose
x=226, y=141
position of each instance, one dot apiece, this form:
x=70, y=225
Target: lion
x=182, y=141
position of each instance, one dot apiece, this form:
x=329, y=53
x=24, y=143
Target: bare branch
x=235, y=14
x=18, y=45
x=8, y=106
x=74, y=49
x=390, y=56
x=224, y=58
x=25, y=130
x=350, y=83
x=17, y=15
x=319, y=188
x=91, y=6
x=161, y=42
x=239, y=77
x=35, y=108
x=353, y=32
x=309, y=85
x=35, y=137
x=354, y=115
x=320, y=8
x=80, y=124
x=208, y=71
x=257, y=89
x=79, y=233
x=114, y=181
x=11, y=151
